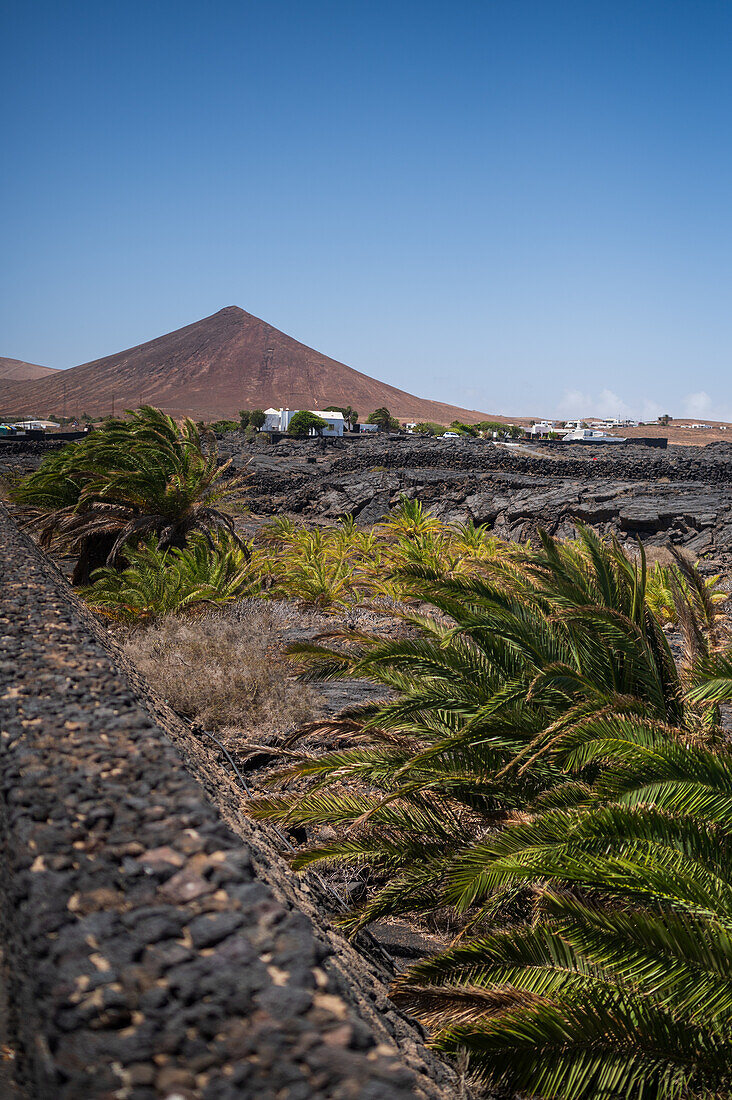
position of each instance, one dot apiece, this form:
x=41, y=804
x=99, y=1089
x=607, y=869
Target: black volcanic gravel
x=147, y=957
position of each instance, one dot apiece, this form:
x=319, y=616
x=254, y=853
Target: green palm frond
x=133, y=477
x=550, y=764
x=712, y=679
x=207, y=570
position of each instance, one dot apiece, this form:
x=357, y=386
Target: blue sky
x=519, y=206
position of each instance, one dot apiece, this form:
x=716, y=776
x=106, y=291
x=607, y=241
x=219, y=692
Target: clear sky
x=522, y=206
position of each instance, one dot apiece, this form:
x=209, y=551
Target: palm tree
x=209, y=570
x=384, y=419
x=619, y=982
x=410, y=518
x=132, y=478
x=509, y=659
x=545, y=762
x=350, y=416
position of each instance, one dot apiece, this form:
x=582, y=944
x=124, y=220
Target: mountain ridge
x=17, y=370
x=212, y=368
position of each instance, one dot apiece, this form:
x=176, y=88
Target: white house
x=278, y=420
x=334, y=420
x=542, y=427
x=35, y=425
x=590, y=435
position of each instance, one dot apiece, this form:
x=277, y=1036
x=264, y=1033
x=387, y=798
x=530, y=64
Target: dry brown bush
x=223, y=670
x=661, y=555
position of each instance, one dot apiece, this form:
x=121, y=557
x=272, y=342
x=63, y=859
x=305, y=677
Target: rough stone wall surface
x=148, y=956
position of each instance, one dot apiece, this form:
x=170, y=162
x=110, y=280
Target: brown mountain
x=16, y=370
x=213, y=368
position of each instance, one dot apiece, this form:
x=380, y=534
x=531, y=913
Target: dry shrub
x=223, y=671
x=661, y=555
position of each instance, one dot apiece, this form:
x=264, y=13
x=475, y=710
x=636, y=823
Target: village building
x=278, y=420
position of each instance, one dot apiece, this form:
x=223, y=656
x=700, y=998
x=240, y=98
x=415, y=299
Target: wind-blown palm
x=130, y=479
x=544, y=758
x=510, y=661
x=621, y=983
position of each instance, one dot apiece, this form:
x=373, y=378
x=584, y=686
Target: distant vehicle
x=451, y=435
x=590, y=435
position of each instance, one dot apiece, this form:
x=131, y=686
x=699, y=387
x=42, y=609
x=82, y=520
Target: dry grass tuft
x=223, y=671
x=661, y=555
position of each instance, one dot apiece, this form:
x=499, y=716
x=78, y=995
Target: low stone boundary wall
x=145, y=955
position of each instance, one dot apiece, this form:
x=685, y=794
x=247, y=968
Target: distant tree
x=428, y=427
x=244, y=416
x=665, y=420
x=386, y=422
x=257, y=418
x=304, y=421
x=464, y=429
x=222, y=426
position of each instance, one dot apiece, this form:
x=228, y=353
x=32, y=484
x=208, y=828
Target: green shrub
x=155, y=582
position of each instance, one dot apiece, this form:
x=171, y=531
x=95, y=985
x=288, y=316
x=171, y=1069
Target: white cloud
x=574, y=403
x=651, y=410
x=700, y=406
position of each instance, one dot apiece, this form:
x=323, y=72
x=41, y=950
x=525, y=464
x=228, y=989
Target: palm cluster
x=344, y=565
x=132, y=478
x=547, y=774
x=210, y=570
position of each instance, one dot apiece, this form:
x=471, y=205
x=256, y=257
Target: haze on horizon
x=521, y=208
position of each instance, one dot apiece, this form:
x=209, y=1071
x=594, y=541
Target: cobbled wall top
x=145, y=955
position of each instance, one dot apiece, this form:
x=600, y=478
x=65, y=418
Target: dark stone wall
x=150, y=953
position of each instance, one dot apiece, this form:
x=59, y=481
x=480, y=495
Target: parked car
x=451, y=435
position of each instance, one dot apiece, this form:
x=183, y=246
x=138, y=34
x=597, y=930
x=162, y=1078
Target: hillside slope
x=15, y=370
x=214, y=367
